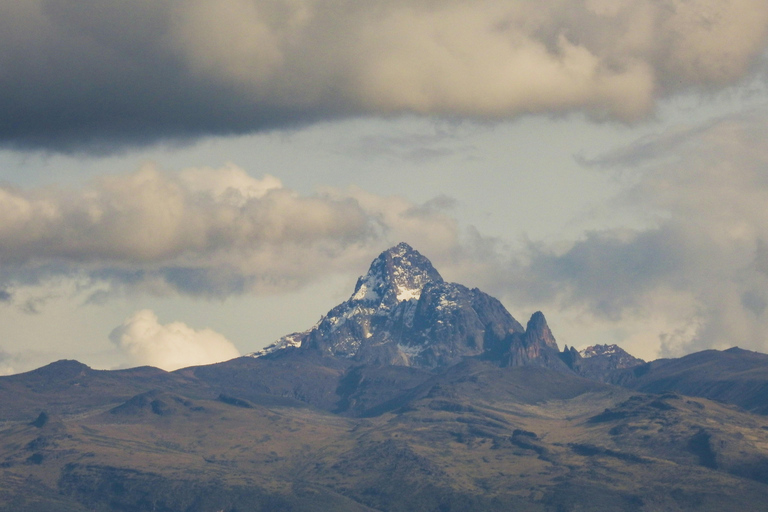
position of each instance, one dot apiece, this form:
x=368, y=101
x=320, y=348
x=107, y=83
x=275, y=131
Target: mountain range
x=415, y=394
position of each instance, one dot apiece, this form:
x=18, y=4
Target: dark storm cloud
x=97, y=75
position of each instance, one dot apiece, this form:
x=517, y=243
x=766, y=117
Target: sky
x=185, y=182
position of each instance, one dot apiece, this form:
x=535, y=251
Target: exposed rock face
x=599, y=361
x=616, y=356
x=402, y=312
x=536, y=345
x=451, y=321
x=384, y=300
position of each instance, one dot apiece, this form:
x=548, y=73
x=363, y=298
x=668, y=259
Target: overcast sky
x=183, y=182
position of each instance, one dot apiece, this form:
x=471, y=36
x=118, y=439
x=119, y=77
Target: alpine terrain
x=415, y=394
x=403, y=313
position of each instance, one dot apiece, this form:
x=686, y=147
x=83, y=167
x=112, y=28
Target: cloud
x=171, y=346
x=22, y=360
x=700, y=265
x=6, y=363
x=417, y=147
x=202, y=232
x=96, y=76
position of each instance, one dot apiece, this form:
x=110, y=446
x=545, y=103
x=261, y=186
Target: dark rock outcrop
x=536, y=345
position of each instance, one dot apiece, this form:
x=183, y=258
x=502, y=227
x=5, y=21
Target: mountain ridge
x=341, y=435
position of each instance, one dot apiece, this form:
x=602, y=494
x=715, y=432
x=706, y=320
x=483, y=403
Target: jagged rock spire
x=537, y=331
x=535, y=346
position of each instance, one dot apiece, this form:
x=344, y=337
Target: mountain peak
x=538, y=330
x=401, y=249
x=613, y=352
x=599, y=361
x=402, y=312
x=62, y=369
x=396, y=275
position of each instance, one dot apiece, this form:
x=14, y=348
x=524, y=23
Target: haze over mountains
x=414, y=394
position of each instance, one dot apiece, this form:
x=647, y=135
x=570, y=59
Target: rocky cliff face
x=536, y=345
x=402, y=312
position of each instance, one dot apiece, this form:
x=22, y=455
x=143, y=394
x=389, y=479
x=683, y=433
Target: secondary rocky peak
x=608, y=351
x=397, y=274
x=535, y=346
x=599, y=361
x=537, y=331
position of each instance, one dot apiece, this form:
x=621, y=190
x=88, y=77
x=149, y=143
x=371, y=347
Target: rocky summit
x=599, y=362
x=402, y=312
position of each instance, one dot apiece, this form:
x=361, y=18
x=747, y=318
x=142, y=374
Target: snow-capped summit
x=402, y=312
x=393, y=281
x=397, y=274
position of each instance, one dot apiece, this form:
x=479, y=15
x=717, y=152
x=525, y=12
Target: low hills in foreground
x=413, y=395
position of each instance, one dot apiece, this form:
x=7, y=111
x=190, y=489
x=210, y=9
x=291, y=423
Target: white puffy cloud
x=227, y=184
x=110, y=73
x=150, y=216
x=203, y=232
x=170, y=346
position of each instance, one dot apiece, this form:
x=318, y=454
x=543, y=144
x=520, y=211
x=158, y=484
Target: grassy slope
x=734, y=376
